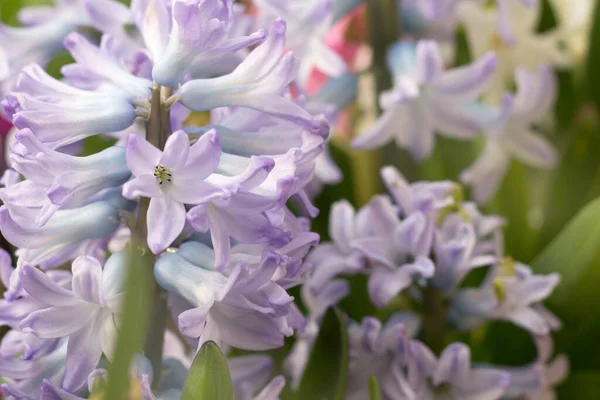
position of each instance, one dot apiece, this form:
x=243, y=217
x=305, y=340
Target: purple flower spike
x=171, y=179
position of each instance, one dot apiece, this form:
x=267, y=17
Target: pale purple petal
x=58, y=321
x=42, y=288
x=83, y=353
x=166, y=219
x=176, y=151
x=142, y=157
x=87, y=279
x=142, y=186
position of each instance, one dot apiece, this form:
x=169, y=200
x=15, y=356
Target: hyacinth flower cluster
x=215, y=195
x=214, y=118
x=416, y=247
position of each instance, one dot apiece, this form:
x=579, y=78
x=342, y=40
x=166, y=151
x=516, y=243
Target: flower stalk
x=158, y=128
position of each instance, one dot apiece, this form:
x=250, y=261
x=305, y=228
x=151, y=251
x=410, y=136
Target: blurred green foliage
x=326, y=373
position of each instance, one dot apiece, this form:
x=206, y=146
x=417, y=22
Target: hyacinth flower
x=95, y=296
x=308, y=22
x=510, y=292
x=171, y=179
x=451, y=376
x=511, y=133
x=398, y=251
x=44, y=28
x=381, y=350
x=524, y=48
x=241, y=306
x=426, y=99
x=68, y=234
x=27, y=376
x=56, y=180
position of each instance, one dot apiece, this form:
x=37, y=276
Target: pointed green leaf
x=575, y=254
x=209, y=376
x=374, y=392
x=326, y=373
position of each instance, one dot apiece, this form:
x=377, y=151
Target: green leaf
x=326, y=373
x=576, y=181
x=374, y=392
x=134, y=321
x=575, y=254
x=209, y=376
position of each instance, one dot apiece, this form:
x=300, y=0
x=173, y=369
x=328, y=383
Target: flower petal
x=176, y=151
x=83, y=354
x=87, y=279
x=166, y=219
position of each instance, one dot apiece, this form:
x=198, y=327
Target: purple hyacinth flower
x=57, y=181
x=95, y=297
x=451, y=376
x=27, y=376
x=398, y=250
x=381, y=350
x=426, y=99
x=171, y=178
x=510, y=292
x=200, y=37
x=240, y=306
x=511, y=133
x=256, y=83
x=422, y=197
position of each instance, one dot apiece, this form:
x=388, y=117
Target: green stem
x=434, y=326
x=384, y=30
x=158, y=129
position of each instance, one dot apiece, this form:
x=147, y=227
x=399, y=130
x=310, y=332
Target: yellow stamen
x=161, y=174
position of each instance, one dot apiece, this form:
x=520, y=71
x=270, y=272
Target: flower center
x=161, y=174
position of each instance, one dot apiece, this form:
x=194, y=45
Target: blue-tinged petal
x=402, y=59
x=95, y=220
x=198, y=285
